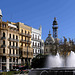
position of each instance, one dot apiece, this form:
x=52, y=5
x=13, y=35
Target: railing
x=36, y=46
x=25, y=41
x=3, y=38
x=3, y=46
x=14, y=55
x=10, y=39
x=36, y=39
x=14, y=47
x=28, y=35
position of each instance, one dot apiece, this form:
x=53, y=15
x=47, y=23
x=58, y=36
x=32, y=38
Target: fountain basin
x=53, y=71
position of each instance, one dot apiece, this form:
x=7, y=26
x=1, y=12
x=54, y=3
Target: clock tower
x=55, y=28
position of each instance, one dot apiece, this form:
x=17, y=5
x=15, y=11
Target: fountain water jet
x=54, y=61
x=58, y=61
x=70, y=62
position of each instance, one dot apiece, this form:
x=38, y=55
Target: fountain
x=56, y=65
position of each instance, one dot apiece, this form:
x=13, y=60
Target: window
x=13, y=59
x=33, y=36
x=3, y=25
x=3, y=34
x=10, y=51
x=9, y=35
x=10, y=43
x=16, y=52
x=4, y=50
x=3, y=42
x=13, y=36
x=16, y=37
x=25, y=45
x=16, y=44
x=25, y=31
x=21, y=31
x=38, y=44
x=10, y=59
x=13, y=51
x=28, y=32
x=13, y=43
x=33, y=43
x=22, y=38
x=25, y=38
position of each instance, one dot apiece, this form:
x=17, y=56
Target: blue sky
x=42, y=12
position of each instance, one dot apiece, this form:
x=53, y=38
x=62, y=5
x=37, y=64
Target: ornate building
x=15, y=44
x=37, y=44
x=51, y=43
x=18, y=43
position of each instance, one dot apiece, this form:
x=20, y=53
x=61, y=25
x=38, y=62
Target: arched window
x=3, y=42
x=33, y=36
x=3, y=50
x=21, y=31
x=3, y=34
x=13, y=36
x=9, y=35
x=13, y=51
x=25, y=31
x=33, y=43
x=16, y=37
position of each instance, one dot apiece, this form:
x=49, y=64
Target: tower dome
x=49, y=39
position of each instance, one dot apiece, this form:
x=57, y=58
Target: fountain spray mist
x=58, y=61
x=54, y=61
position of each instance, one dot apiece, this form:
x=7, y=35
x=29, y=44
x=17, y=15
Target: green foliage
x=10, y=73
x=38, y=61
x=16, y=72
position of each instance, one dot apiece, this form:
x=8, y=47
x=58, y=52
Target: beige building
x=15, y=44
x=26, y=52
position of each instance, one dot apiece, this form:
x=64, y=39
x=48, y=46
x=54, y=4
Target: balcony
x=3, y=46
x=3, y=54
x=14, y=40
x=3, y=38
x=14, y=47
x=28, y=41
x=36, y=46
x=35, y=39
x=23, y=41
x=27, y=35
x=14, y=55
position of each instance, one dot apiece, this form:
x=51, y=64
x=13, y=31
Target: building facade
x=15, y=44
x=36, y=41
x=26, y=52
x=51, y=43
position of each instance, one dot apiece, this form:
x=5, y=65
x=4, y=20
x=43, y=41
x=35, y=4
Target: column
x=7, y=63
